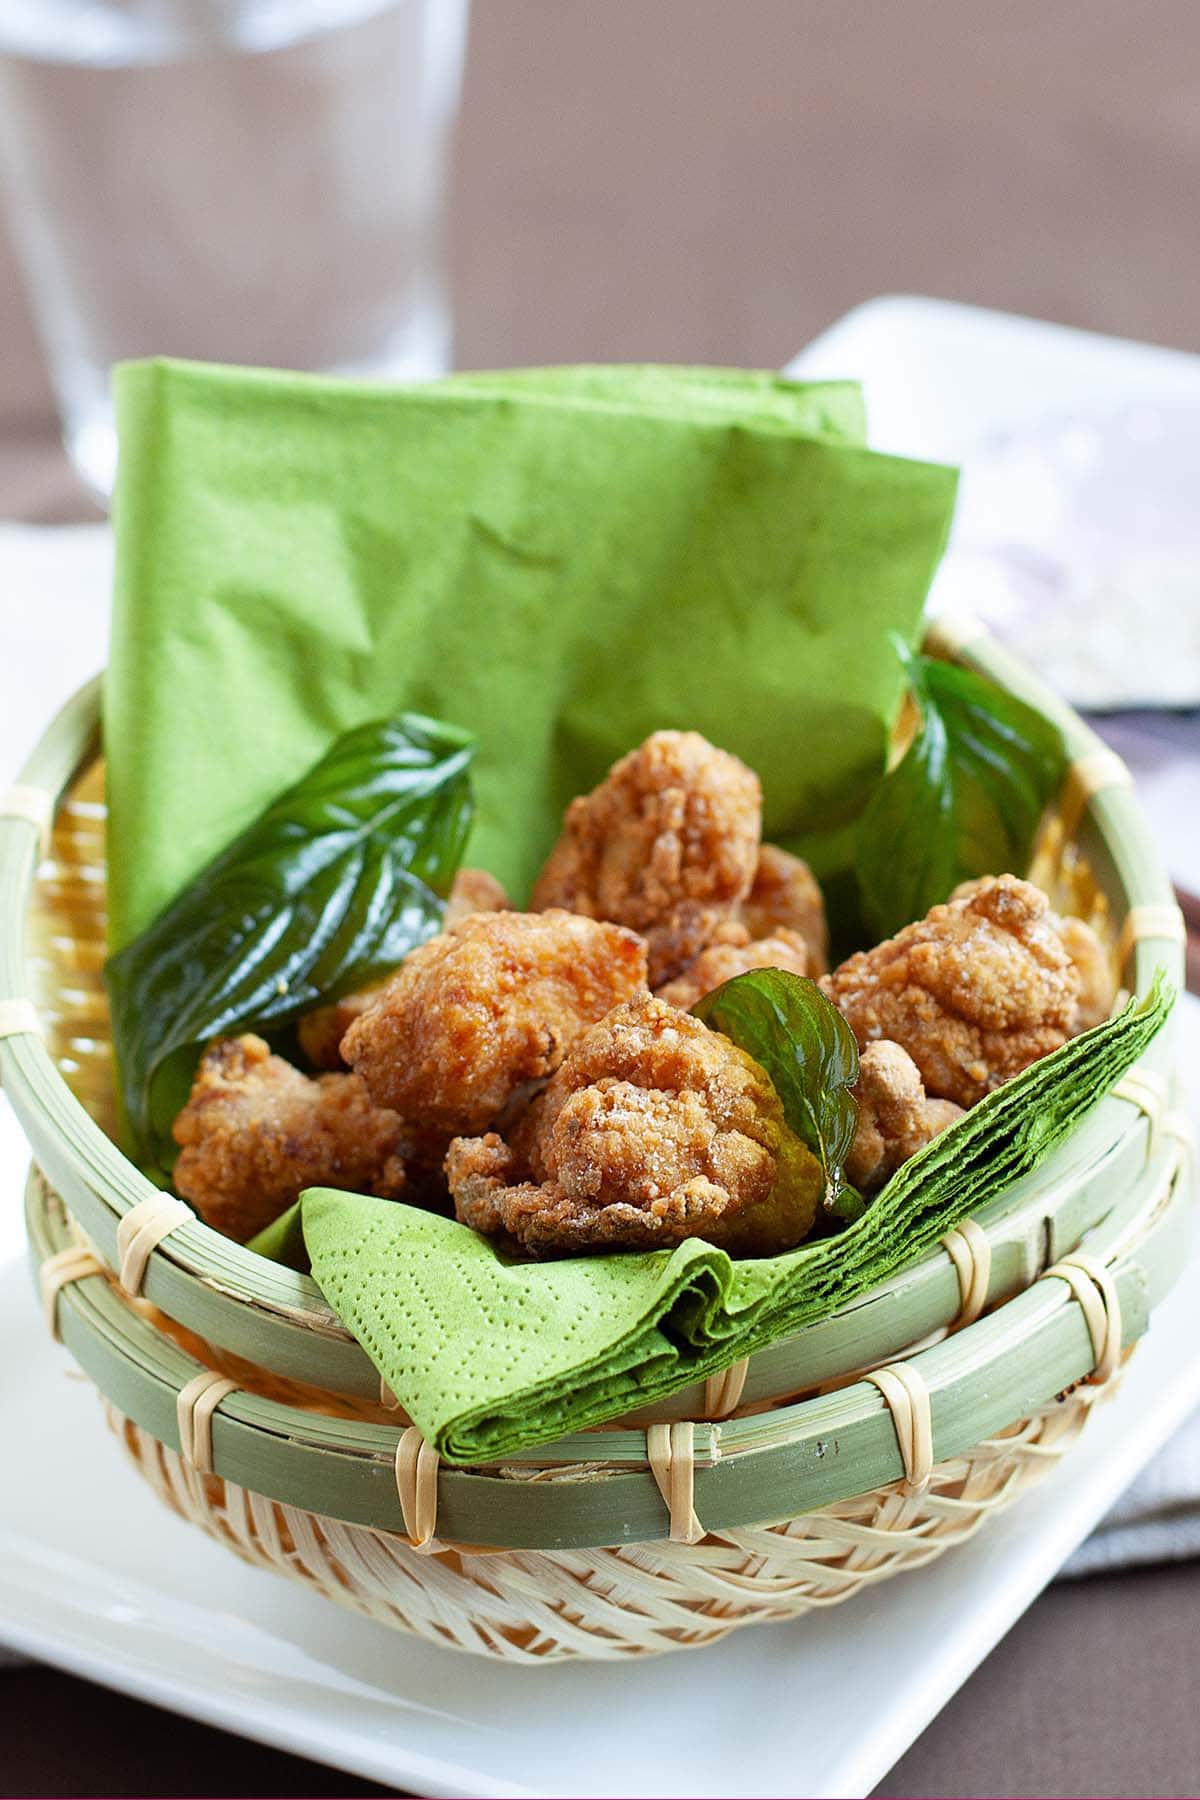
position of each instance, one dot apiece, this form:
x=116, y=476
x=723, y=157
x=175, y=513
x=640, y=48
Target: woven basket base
x=637, y=1600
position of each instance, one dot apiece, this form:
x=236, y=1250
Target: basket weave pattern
x=638, y=1600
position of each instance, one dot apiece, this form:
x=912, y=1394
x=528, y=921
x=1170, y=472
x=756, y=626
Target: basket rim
x=749, y=1471
x=278, y=1316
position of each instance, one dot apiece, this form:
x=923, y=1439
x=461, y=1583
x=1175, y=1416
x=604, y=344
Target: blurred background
x=692, y=180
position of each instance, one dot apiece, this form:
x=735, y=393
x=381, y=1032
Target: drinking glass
x=250, y=181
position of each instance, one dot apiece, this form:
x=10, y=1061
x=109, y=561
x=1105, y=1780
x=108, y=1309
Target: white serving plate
x=96, y=1577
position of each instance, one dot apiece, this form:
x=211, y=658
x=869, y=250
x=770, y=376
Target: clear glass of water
x=249, y=181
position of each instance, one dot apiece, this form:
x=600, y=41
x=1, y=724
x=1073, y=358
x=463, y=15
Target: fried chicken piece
x=485, y=1008
x=1097, y=982
x=1093, y=965
x=474, y=891
x=667, y=844
x=895, y=1119
x=785, y=894
x=721, y=961
x=974, y=992
x=655, y=1129
x=321, y=1031
x=256, y=1132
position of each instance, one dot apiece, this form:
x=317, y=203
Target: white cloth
x=1157, y=1520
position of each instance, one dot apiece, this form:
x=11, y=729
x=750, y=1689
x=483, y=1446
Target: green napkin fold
x=561, y=560
x=489, y=1357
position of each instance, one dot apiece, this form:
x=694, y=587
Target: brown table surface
x=693, y=180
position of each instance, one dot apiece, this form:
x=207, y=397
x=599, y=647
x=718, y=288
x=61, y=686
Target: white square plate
x=97, y=1577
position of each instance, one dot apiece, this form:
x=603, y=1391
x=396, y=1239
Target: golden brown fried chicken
x=321, y=1031
x=1094, y=966
x=474, y=891
x=895, y=1119
x=655, y=1129
x=721, y=961
x=974, y=992
x=785, y=894
x=667, y=844
x=483, y=1009
x=255, y=1132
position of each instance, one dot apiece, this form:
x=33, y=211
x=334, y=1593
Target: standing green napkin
x=562, y=561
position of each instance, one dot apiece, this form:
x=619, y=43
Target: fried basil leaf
x=328, y=889
x=806, y=1047
x=964, y=800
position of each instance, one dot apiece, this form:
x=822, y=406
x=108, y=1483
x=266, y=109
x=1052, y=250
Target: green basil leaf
x=964, y=800
x=806, y=1047
x=282, y=1241
x=329, y=888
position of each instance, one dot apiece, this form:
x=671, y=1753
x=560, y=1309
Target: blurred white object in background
x=251, y=181
x=1077, y=540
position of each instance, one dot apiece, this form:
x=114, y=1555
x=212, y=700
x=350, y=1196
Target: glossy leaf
x=806, y=1047
x=329, y=888
x=964, y=800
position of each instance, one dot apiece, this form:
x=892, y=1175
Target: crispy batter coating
x=785, y=894
x=655, y=1129
x=321, y=1031
x=667, y=844
x=974, y=992
x=255, y=1132
x=485, y=1008
x=895, y=1119
x=721, y=961
x=474, y=891
x=1093, y=964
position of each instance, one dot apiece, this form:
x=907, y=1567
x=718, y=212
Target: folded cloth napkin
x=1157, y=1519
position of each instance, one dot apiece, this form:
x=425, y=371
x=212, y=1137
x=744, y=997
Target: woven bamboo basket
x=865, y=1444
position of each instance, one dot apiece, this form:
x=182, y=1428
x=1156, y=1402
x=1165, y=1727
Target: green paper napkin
x=561, y=560
x=489, y=1357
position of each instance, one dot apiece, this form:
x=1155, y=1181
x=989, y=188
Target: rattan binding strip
x=1149, y=1092
x=33, y=804
x=1093, y=773
x=417, y=1485
x=723, y=1390
x=71, y=1264
x=907, y=1397
x=141, y=1230
x=1157, y=921
x=952, y=632
x=1096, y=1291
x=195, y=1405
x=17, y=1017
x=670, y=1451
x=970, y=1251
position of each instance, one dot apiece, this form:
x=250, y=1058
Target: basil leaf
x=806, y=1047
x=329, y=888
x=965, y=799
x=282, y=1241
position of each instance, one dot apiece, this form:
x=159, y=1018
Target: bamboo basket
x=791, y=1481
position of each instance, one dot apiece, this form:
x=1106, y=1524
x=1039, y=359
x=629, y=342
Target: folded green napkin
x=561, y=560
x=489, y=1356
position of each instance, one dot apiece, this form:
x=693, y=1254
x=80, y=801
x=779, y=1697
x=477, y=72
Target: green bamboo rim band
x=750, y=1470
x=277, y=1318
